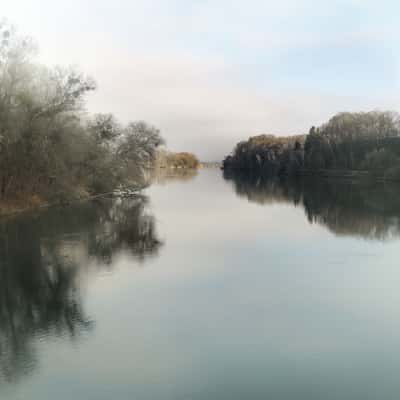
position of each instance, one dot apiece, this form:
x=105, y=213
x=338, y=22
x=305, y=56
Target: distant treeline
x=349, y=141
x=183, y=160
x=49, y=145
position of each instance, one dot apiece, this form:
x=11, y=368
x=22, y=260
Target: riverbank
x=20, y=205
x=356, y=175
x=31, y=203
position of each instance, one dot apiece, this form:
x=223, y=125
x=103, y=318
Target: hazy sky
x=209, y=73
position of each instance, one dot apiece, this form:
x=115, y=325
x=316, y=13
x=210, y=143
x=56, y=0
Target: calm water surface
x=207, y=289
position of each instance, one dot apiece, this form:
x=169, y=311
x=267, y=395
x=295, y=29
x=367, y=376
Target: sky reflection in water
x=205, y=288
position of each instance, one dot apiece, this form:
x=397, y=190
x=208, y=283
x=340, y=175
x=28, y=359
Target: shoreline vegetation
x=174, y=166
x=350, y=145
x=171, y=160
x=52, y=151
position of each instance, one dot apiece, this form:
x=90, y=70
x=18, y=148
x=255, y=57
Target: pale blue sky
x=209, y=73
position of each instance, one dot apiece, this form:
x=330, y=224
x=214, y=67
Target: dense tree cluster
x=268, y=154
x=349, y=141
x=48, y=144
x=355, y=141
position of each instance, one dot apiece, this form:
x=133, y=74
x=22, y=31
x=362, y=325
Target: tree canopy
x=367, y=141
x=49, y=145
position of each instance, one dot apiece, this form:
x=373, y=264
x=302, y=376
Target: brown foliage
x=178, y=160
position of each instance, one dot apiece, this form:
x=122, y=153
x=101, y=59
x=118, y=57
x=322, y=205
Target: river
x=205, y=288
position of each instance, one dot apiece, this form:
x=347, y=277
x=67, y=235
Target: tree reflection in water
x=366, y=210
x=168, y=175
x=42, y=258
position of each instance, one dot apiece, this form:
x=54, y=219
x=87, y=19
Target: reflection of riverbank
x=166, y=175
x=44, y=264
x=366, y=210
